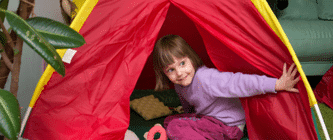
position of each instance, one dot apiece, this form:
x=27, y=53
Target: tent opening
x=176, y=22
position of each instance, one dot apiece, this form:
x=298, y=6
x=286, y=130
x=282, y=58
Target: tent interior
x=176, y=22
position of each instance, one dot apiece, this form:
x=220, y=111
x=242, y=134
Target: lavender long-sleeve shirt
x=214, y=93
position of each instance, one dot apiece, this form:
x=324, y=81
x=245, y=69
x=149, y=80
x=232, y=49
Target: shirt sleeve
x=231, y=85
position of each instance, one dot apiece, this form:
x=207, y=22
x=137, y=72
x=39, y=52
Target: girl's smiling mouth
x=181, y=79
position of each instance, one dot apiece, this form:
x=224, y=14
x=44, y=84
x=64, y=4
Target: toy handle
x=155, y=129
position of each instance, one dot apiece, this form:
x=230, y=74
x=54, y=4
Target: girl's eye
x=170, y=70
x=182, y=63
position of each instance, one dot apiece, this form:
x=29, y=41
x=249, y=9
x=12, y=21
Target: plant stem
x=5, y=58
x=24, y=11
x=9, y=39
x=4, y=70
x=10, y=42
x=16, y=68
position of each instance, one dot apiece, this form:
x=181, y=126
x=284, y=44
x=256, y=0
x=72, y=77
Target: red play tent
x=92, y=100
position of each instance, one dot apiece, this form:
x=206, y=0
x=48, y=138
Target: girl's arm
x=234, y=85
x=231, y=85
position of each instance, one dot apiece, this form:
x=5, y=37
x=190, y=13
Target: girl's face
x=181, y=72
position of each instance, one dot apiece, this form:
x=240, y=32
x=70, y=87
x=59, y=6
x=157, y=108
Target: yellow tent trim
x=78, y=4
x=76, y=25
x=273, y=22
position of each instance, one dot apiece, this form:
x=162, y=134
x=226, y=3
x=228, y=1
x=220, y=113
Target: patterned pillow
x=150, y=107
x=325, y=9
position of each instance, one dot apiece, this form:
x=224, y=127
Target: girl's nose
x=178, y=72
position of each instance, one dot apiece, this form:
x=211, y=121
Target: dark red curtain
x=92, y=100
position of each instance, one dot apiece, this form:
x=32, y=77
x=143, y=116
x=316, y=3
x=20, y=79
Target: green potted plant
x=44, y=36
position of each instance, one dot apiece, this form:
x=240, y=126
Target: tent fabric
x=324, y=89
x=92, y=100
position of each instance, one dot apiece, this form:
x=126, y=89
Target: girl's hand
x=287, y=81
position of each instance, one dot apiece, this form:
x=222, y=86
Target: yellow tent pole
x=273, y=22
x=77, y=23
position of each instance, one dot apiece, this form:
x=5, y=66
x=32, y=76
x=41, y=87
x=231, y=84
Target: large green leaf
x=35, y=41
x=3, y=5
x=10, y=119
x=57, y=34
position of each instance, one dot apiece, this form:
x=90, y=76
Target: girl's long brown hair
x=165, y=48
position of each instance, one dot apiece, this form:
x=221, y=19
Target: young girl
x=210, y=98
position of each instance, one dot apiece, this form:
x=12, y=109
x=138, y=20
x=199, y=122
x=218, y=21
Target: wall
x=31, y=67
